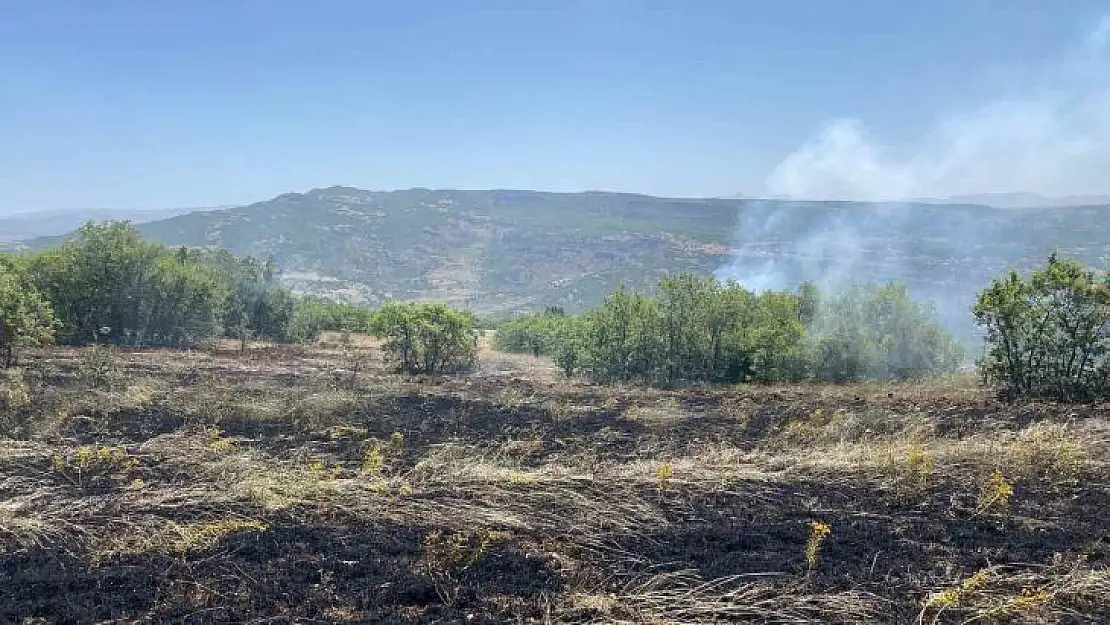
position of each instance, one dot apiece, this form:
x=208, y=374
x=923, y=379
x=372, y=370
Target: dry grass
x=273, y=485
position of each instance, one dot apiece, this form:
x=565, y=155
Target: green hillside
x=495, y=251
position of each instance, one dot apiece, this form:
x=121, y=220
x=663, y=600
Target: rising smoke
x=1051, y=137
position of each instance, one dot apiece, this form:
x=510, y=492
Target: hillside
x=496, y=251
x=503, y=251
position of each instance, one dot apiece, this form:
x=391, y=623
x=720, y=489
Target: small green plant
x=89, y=466
x=374, y=460
x=1027, y=602
x=98, y=369
x=956, y=595
x=448, y=555
x=818, y=532
x=320, y=471
x=202, y=536
x=994, y=495
x=664, y=474
x=919, y=465
x=912, y=472
x=396, y=442
x=217, y=442
x=373, y=463
x=1047, y=453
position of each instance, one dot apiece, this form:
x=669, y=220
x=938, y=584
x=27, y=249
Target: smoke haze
x=1051, y=137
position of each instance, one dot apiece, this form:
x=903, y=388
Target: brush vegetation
x=695, y=329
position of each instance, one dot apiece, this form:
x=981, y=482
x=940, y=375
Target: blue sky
x=142, y=104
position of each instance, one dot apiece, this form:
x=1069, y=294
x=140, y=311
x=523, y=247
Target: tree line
x=1046, y=334
x=695, y=329
x=108, y=285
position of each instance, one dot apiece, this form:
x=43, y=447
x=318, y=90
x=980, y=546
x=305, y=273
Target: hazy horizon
x=1010, y=199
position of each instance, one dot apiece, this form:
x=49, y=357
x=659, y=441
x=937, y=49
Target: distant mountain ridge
x=1023, y=200
x=506, y=251
x=28, y=225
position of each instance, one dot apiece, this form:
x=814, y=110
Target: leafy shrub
x=695, y=329
x=427, y=338
x=621, y=339
x=313, y=315
x=531, y=334
x=1048, y=335
x=26, y=318
x=143, y=294
x=875, y=332
x=567, y=345
x=106, y=284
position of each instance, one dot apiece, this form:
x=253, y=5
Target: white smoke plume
x=1050, y=138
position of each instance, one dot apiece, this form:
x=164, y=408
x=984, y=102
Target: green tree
x=531, y=334
x=695, y=329
x=257, y=306
x=526, y=334
x=26, y=319
x=181, y=304
x=107, y=277
x=566, y=345
x=685, y=307
x=809, y=303
x=773, y=339
x=108, y=284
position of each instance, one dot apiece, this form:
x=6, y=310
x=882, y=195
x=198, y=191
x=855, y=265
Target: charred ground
x=310, y=485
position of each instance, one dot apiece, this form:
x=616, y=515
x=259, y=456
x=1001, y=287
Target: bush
x=427, y=338
x=312, y=315
x=873, y=332
x=537, y=335
x=256, y=305
x=695, y=329
x=106, y=284
x=566, y=347
x=621, y=339
x=1048, y=335
x=26, y=318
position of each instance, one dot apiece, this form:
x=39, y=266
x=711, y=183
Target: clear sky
x=147, y=104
